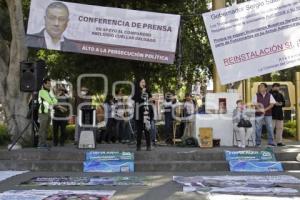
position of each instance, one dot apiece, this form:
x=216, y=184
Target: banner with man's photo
x=254, y=38
x=104, y=31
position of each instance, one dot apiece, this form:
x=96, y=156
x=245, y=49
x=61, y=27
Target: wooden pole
x=298, y=104
x=217, y=4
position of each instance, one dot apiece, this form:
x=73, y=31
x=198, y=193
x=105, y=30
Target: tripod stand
x=32, y=122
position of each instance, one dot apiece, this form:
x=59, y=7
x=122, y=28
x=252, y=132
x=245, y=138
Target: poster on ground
x=265, y=155
x=56, y=194
x=230, y=181
x=8, y=174
x=255, y=166
x=254, y=38
x=252, y=197
x=281, y=185
x=108, y=155
x=86, y=181
x=104, y=31
x=101, y=161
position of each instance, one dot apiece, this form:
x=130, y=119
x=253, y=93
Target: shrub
x=4, y=136
x=70, y=132
x=289, y=130
x=50, y=133
x=290, y=124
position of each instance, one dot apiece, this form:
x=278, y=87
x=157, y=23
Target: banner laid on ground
x=105, y=155
x=253, y=161
x=265, y=155
x=86, y=181
x=114, y=32
x=109, y=162
x=252, y=197
x=254, y=38
x=281, y=185
x=56, y=194
x=255, y=166
x=8, y=174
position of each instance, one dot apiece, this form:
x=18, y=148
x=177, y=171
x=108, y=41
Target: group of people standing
x=120, y=111
x=268, y=111
x=184, y=112
x=48, y=100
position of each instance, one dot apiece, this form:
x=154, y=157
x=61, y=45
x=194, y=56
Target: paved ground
x=160, y=187
x=291, y=146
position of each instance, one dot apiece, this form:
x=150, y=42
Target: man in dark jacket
x=61, y=114
x=277, y=113
x=52, y=36
x=264, y=102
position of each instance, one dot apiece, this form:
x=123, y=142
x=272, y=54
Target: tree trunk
x=14, y=102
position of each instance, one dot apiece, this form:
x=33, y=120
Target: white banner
x=8, y=174
x=105, y=31
x=254, y=38
x=56, y=194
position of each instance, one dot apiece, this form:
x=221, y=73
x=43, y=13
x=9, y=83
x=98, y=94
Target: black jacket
x=58, y=112
x=140, y=104
x=277, y=111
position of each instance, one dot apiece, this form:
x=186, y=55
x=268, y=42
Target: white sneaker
x=16, y=147
x=243, y=146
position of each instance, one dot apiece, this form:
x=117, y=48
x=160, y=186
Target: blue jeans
x=153, y=131
x=258, y=125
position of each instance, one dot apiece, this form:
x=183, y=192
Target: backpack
x=191, y=142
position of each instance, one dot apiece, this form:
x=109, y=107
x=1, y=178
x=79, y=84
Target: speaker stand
x=32, y=122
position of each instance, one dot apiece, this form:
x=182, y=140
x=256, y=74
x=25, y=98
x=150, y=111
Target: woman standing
x=143, y=113
x=60, y=121
x=109, y=119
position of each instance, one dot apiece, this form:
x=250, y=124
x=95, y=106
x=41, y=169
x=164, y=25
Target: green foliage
x=70, y=132
x=5, y=24
x=291, y=124
x=289, y=133
x=4, y=137
x=290, y=129
x=50, y=133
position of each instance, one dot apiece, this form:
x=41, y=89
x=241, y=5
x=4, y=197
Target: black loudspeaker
x=41, y=70
x=31, y=75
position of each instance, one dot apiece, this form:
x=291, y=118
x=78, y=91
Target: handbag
x=244, y=123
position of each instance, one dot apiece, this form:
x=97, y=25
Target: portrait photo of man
x=52, y=35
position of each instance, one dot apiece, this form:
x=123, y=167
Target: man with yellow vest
x=46, y=101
